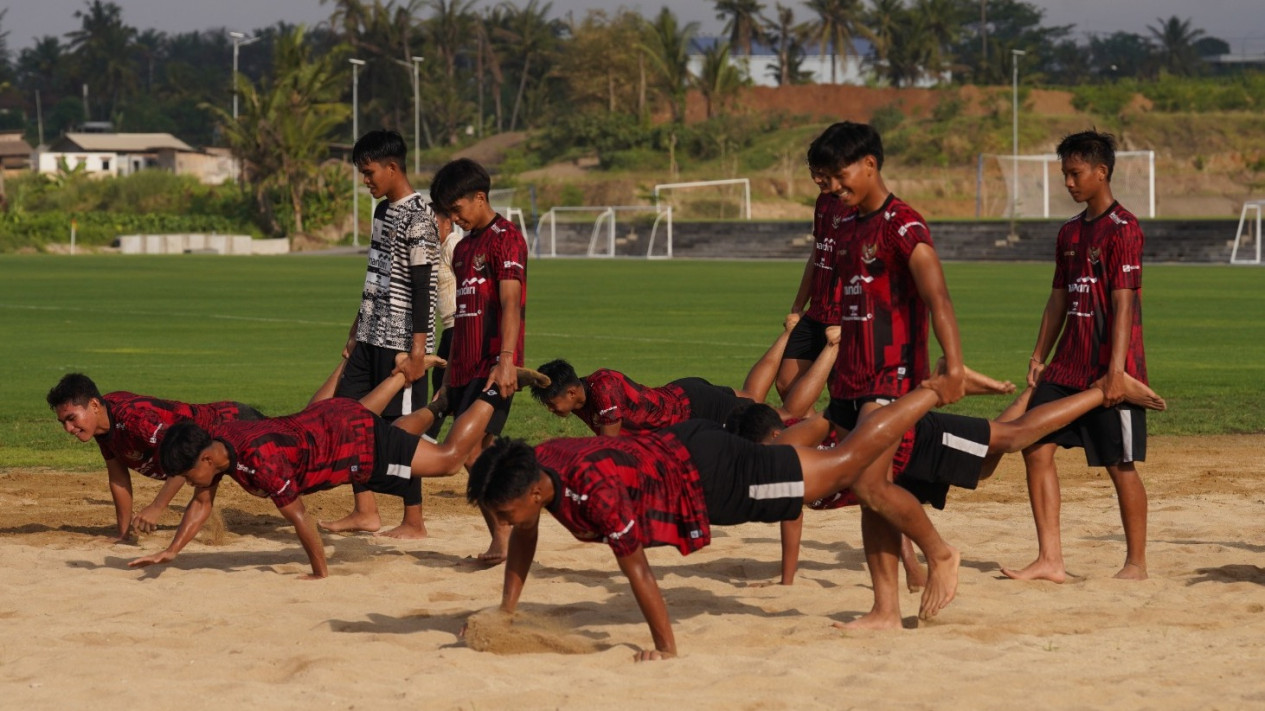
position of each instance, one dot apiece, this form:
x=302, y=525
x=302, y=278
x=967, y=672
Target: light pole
x=239, y=40
x=356, y=64
x=417, y=115
x=1015, y=54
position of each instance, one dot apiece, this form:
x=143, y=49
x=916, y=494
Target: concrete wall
x=1203, y=241
x=213, y=244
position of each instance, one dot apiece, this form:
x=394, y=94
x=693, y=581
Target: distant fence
x=201, y=244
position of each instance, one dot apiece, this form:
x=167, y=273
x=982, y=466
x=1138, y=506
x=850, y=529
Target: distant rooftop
x=120, y=142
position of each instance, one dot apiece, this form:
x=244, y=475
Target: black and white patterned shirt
x=403, y=236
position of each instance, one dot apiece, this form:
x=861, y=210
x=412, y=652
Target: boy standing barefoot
x=1096, y=304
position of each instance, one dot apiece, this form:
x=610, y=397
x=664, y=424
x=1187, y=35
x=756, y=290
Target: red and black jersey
x=480, y=262
x=829, y=216
x=884, y=340
x=1094, y=258
x=611, y=396
x=627, y=492
x=138, y=424
x=328, y=444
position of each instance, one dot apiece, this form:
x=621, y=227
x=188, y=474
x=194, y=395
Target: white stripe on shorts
x=963, y=444
x=403, y=471
x=1126, y=433
x=780, y=490
x=406, y=405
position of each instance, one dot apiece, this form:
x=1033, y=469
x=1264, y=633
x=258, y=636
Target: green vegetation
x=267, y=330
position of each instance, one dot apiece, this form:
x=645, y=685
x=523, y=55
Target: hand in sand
x=147, y=520
x=652, y=655
x=155, y=559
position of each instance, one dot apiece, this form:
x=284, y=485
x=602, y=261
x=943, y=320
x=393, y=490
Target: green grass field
x=267, y=330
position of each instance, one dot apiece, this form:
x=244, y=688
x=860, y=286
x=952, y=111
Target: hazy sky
x=1239, y=22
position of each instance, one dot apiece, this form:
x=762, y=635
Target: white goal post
x=1250, y=206
x=744, y=182
x=605, y=231
x=1031, y=186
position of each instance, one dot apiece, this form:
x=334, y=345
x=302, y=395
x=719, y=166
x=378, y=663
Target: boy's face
x=1082, y=179
x=203, y=472
x=379, y=177
x=443, y=224
x=83, y=421
x=569, y=401
x=471, y=212
x=523, y=511
x=850, y=183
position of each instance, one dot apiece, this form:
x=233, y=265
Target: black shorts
x=707, y=401
x=807, y=340
x=844, y=413
x=393, y=450
x=366, y=368
x=460, y=399
x=1109, y=435
x=948, y=451
x=742, y=481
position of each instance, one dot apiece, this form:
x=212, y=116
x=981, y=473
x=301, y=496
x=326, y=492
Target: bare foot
x=1132, y=571
x=1137, y=392
x=872, y=621
x=492, y=557
x=1038, y=570
x=942, y=585
x=405, y=532
x=528, y=378
x=980, y=384
x=915, y=578
x=352, y=523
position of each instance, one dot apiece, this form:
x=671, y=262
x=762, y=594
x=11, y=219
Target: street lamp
x=239, y=40
x=356, y=64
x=417, y=115
x=1015, y=54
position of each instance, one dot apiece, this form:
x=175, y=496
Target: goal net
x=1031, y=186
x=728, y=199
x=605, y=231
x=1248, y=241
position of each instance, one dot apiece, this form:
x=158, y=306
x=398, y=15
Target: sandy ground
x=229, y=624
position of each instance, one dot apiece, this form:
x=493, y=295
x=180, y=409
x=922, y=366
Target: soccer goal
x=1253, y=236
x=605, y=231
x=727, y=199
x=502, y=202
x=1031, y=186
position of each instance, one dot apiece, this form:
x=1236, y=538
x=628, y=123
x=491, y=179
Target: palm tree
x=882, y=26
x=941, y=24
x=719, y=80
x=742, y=21
x=286, y=123
x=102, y=46
x=1177, y=39
x=529, y=35
x=666, y=45
x=838, y=25
x=787, y=38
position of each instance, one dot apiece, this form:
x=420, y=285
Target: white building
x=114, y=154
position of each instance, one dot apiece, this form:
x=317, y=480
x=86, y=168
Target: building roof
x=12, y=144
x=119, y=142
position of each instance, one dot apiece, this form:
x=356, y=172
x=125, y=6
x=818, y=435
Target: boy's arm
x=1051, y=324
x=195, y=515
x=792, y=532
x=351, y=336
x=805, y=282
x=423, y=322
x=1121, y=331
x=121, y=492
x=505, y=374
x=522, y=551
x=646, y=589
x=147, y=519
x=611, y=430
x=929, y=278
x=296, y=514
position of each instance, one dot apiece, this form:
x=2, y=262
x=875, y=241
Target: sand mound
x=494, y=631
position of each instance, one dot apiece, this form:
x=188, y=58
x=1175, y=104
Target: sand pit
x=231, y=625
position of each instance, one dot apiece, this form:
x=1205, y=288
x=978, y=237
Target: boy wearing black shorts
x=490, y=267
x=1096, y=306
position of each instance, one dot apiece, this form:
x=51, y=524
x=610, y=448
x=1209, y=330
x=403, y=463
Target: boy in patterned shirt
x=891, y=288
x=490, y=266
x=1096, y=304
x=129, y=429
x=669, y=487
x=396, y=312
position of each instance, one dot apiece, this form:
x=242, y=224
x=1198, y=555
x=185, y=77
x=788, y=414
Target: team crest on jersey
x=479, y=262
x=869, y=252
x=135, y=456
x=1095, y=254
x=835, y=221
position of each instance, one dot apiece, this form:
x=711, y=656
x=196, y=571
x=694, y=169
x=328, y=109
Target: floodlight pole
x=356, y=64
x=1015, y=54
x=417, y=115
x=239, y=40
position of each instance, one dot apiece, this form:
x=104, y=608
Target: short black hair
x=1093, y=147
x=754, y=422
x=458, y=179
x=504, y=472
x=380, y=146
x=561, y=376
x=181, y=447
x=74, y=388
x=843, y=144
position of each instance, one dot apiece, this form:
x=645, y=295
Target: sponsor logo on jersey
x=510, y=264
x=1117, y=219
x=905, y=227
x=153, y=438
x=1131, y=268
x=856, y=287
x=576, y=497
